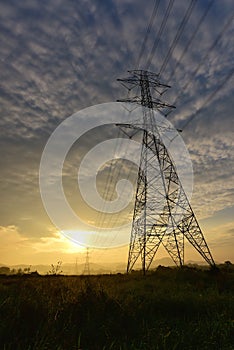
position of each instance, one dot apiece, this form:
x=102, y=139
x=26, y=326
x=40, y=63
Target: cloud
x=53, y=58
x=10, y=236
x=57, y=58
x=16, y=247
x=56, y=242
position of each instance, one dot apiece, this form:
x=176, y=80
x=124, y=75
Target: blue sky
x=58, y=57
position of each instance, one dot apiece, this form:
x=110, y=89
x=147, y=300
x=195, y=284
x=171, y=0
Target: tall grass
x=167, y=309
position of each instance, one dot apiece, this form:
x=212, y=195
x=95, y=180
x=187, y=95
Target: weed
x=167, y=309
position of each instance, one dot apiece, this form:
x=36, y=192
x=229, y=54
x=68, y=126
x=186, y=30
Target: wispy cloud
x=59, y=57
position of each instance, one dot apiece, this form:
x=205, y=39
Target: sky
x=59, y=57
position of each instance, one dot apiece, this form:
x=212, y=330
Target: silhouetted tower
x=86, y=266
x=162, y=212
x=76, y=267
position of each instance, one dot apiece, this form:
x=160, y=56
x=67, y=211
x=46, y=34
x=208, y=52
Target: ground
x=169, y=308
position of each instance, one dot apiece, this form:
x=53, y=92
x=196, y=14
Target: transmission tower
x=86, y=270
x=162, y=212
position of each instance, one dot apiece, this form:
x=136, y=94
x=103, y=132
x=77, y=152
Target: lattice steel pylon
x=162, y=212
x=86, y=270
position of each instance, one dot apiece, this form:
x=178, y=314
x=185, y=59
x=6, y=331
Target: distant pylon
x=76, y=268
x=86, y=270
x=162, y=212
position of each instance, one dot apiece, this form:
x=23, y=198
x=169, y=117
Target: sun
x=78, y=240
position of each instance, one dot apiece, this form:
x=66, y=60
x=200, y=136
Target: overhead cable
x=204, y=59
x=159, y=34
x=209, y=98
x=142, y=50
x=191, y=38
x=178, y=35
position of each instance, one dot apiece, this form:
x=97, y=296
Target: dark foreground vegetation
x=167, y=309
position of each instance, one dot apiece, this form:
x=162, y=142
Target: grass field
x=166, y=309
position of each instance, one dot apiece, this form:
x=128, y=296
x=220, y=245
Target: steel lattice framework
x=86, y=270
x=162, y=212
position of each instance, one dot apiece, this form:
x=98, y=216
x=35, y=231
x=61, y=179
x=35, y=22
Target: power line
x=158, y=36
x=178, y=35
x=112, y=219
x=119, y=213
x=154, y=13
x=191, y=38
x=102, y=213
x=210, y=49
x=209, y=98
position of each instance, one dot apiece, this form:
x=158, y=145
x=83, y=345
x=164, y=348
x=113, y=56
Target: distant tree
x=27, y=269
x=56, y=269
x=228, y=263
x=4, y=270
